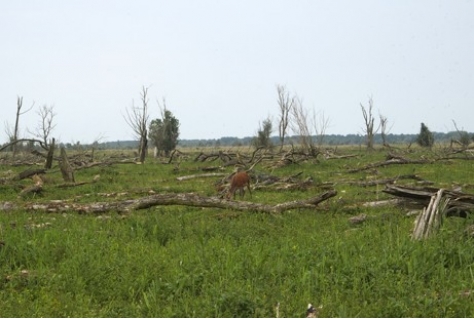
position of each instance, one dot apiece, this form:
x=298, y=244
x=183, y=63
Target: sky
x=217, y=64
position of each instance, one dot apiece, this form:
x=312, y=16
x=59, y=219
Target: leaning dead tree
x=184, y=199
x=138, y=119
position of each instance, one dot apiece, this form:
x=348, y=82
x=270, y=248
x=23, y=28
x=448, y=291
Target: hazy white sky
x=217, y=63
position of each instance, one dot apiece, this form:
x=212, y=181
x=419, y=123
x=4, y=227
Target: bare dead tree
x=95, y=145
x=320, y=123
x=285, y=103
x=300, y=127
x=137, y=118
x=45, y=125
x=383, y=129
x=13, y=136
x=369, y=122
x=43, y=132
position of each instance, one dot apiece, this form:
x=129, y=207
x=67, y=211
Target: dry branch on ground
x=392, y=160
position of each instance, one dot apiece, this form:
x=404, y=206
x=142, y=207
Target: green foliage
x=425, y=138
x=164, y=132
x=263, y=135
x=174, y=261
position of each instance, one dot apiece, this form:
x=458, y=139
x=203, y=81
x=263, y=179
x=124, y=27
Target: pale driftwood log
x=185, y=199
x=184, y=178
x=332, y=156
x=381, y=203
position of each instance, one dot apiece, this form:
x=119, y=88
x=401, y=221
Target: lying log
x=332, y=156
x=9, y=175
x=28, y=173
x=391, y=180
x=185, y=199
x=34, y=189
x=391, y=161
x=187, y=177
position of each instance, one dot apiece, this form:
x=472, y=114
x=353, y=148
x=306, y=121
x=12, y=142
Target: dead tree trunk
x=185, y=199
x=369, y=124
x=430, y=219
x=66, y=169
x=14, y=138
x=143, y=146
x=49, y=158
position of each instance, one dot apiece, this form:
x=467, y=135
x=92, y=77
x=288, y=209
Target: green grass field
x=177, y=261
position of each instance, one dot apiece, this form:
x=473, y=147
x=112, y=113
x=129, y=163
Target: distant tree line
x=330, y=140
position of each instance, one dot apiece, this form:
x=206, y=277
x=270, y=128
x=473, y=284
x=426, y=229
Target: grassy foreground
x=190, y=262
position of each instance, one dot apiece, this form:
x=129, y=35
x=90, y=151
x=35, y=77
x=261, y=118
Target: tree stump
x=66, y=169
x=430, y=219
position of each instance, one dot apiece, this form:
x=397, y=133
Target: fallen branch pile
x=460, y=204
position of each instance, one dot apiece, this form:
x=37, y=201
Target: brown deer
x=239, y=181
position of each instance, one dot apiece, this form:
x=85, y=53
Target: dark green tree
x=263, y=135
x=425, y=138
x=164, y=132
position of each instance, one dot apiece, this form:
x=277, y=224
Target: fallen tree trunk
x=390, y=161
x=184, y=178
x=28, y=173
x=390, y=181
x=185, y=199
